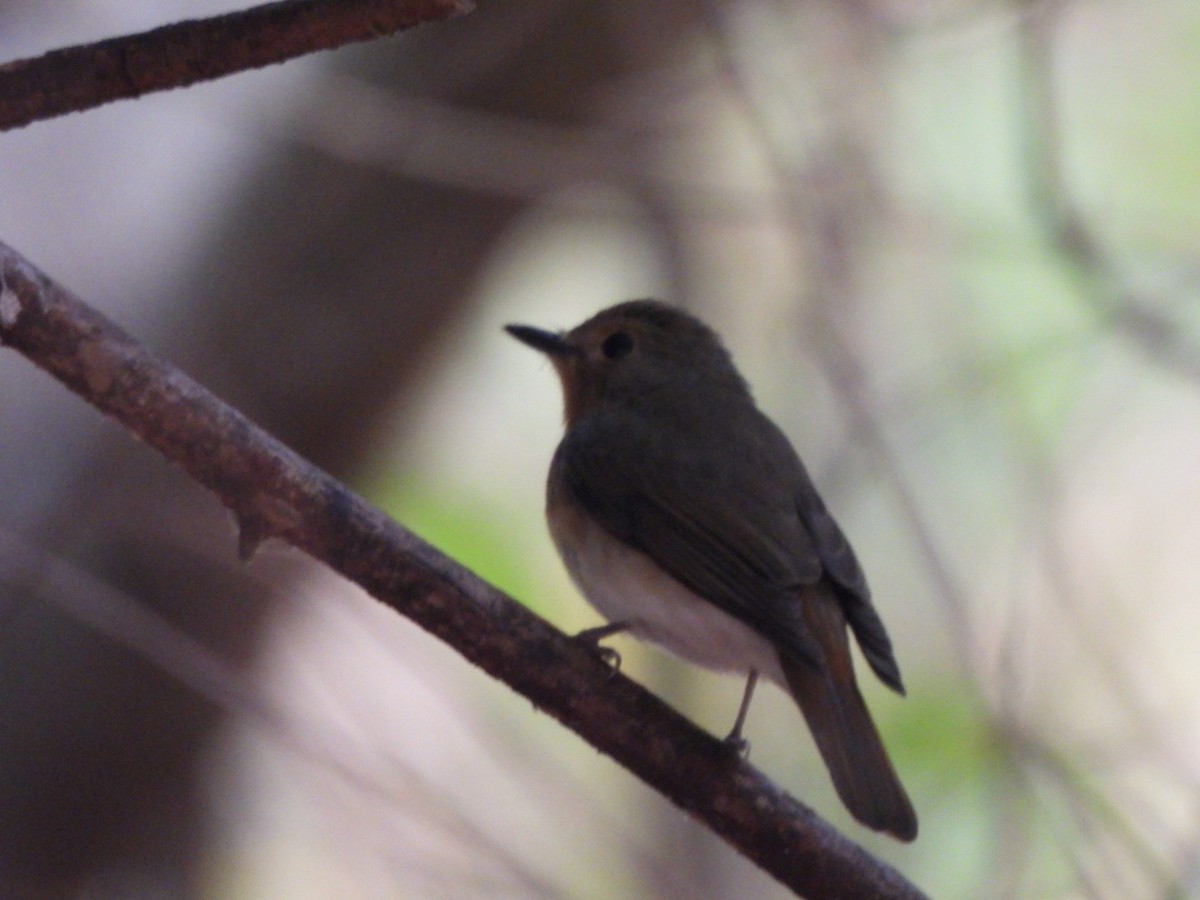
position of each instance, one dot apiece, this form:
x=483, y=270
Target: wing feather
x=719, y=526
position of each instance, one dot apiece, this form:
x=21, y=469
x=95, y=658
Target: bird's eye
x=616, y=345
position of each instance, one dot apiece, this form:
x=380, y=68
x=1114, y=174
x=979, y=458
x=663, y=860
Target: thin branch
x=273, y=492
x=1162, y=339
x=76, y=78
x=125, y=621
x=846, y=376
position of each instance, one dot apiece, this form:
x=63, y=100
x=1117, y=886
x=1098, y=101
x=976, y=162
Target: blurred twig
x=130, y=623
x=273, y=492
x=832, y=275
x=447, y=143
x=1132, y=315
x=76, y=78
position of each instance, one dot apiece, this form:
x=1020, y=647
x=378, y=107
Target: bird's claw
x=737, y=745
x=592, y=637
x=609, y=657
x=606, y=655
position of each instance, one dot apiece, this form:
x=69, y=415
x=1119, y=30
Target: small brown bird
x=686, y=518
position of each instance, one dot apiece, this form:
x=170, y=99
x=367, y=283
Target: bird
x=686, y=518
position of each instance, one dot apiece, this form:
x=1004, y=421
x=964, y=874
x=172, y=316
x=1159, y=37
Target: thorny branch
x=273, y=492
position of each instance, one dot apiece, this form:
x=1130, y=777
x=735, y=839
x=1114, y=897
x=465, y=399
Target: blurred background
x=954, y=246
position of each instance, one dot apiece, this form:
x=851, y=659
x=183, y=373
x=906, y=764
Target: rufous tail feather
x=849, y=743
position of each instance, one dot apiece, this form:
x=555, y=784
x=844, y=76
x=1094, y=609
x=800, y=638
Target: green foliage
x=474, y=531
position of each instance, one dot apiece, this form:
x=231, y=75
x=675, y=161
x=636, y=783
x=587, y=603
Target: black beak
x=548, y=342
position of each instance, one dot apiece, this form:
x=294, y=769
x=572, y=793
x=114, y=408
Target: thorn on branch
x=10, y=307
x=263, y=516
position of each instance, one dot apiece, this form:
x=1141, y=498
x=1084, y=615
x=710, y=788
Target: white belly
x=625, y=585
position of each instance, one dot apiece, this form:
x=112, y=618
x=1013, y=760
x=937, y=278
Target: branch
x=1138, y=316
x=273, y=492
x=77, y=78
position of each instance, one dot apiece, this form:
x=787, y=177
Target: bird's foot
x=593, y=636
x=737, y=745
x=734, y=740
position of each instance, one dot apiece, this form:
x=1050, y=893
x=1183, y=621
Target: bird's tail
x=837, y=716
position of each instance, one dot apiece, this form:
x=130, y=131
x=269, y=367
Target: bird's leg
x=734, y=740
x=593, y=637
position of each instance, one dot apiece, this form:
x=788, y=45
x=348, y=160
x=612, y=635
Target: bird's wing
x=841, y=565
x=717, y=521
